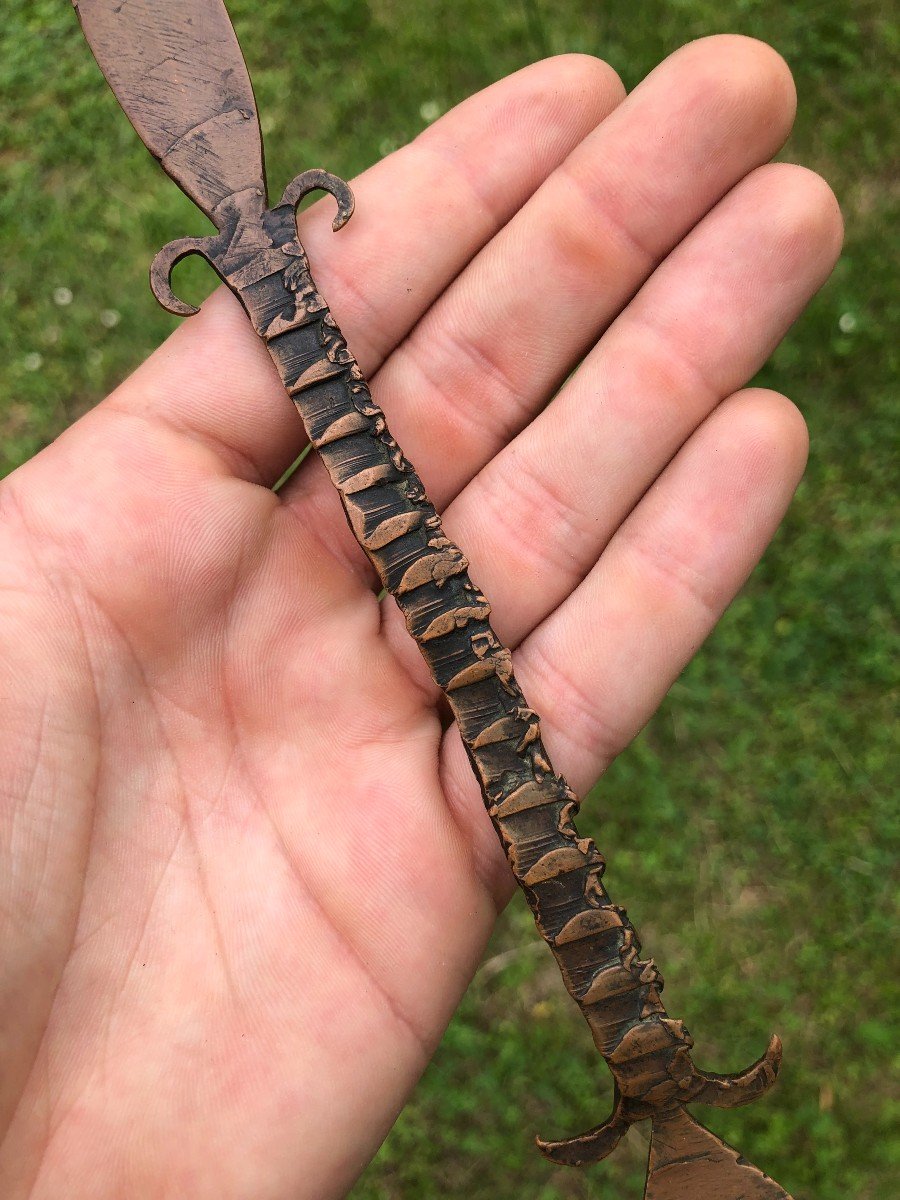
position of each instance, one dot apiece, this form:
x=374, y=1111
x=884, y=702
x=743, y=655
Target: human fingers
x=599, y=665
x=509, y=329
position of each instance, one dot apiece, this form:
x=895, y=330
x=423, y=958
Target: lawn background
x=750, y=828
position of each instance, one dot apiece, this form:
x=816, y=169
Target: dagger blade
x=177, y=70
x=688, y=1162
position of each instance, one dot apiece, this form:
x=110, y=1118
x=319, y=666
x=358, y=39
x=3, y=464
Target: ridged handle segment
x=531, y=806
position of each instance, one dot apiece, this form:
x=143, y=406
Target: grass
x=751, y=827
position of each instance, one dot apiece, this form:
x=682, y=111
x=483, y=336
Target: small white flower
x=430, y=111
x=109, y=318
x=33, y=361
x=62, y=296
x=847, y=322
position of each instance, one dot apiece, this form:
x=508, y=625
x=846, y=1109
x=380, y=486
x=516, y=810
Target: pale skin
x=246, y=873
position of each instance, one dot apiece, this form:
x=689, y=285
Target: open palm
x=246, y=874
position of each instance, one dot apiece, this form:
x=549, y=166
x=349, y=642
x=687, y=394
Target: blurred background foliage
x=751, y=827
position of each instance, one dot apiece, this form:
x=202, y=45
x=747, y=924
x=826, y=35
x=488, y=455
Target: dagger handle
x=530, y=805
x=532, y=808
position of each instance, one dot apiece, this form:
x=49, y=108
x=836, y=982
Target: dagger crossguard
x=239, y=219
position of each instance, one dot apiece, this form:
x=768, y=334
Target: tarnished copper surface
x=687, y=1162
x=178, y=72
x=176, y=68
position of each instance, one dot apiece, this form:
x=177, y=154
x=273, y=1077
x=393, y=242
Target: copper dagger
x=177, y=70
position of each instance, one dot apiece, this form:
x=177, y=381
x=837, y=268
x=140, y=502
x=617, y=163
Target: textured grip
x=531, y=806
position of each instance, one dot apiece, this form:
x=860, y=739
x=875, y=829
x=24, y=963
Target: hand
x=246, y=874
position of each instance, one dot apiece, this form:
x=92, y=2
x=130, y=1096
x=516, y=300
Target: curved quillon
x=732, y=1091
x=591, y=1146
x=165, y=262
x=317, y=180
x=652, y=1081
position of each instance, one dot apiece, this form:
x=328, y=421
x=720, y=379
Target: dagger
x=177, y=70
